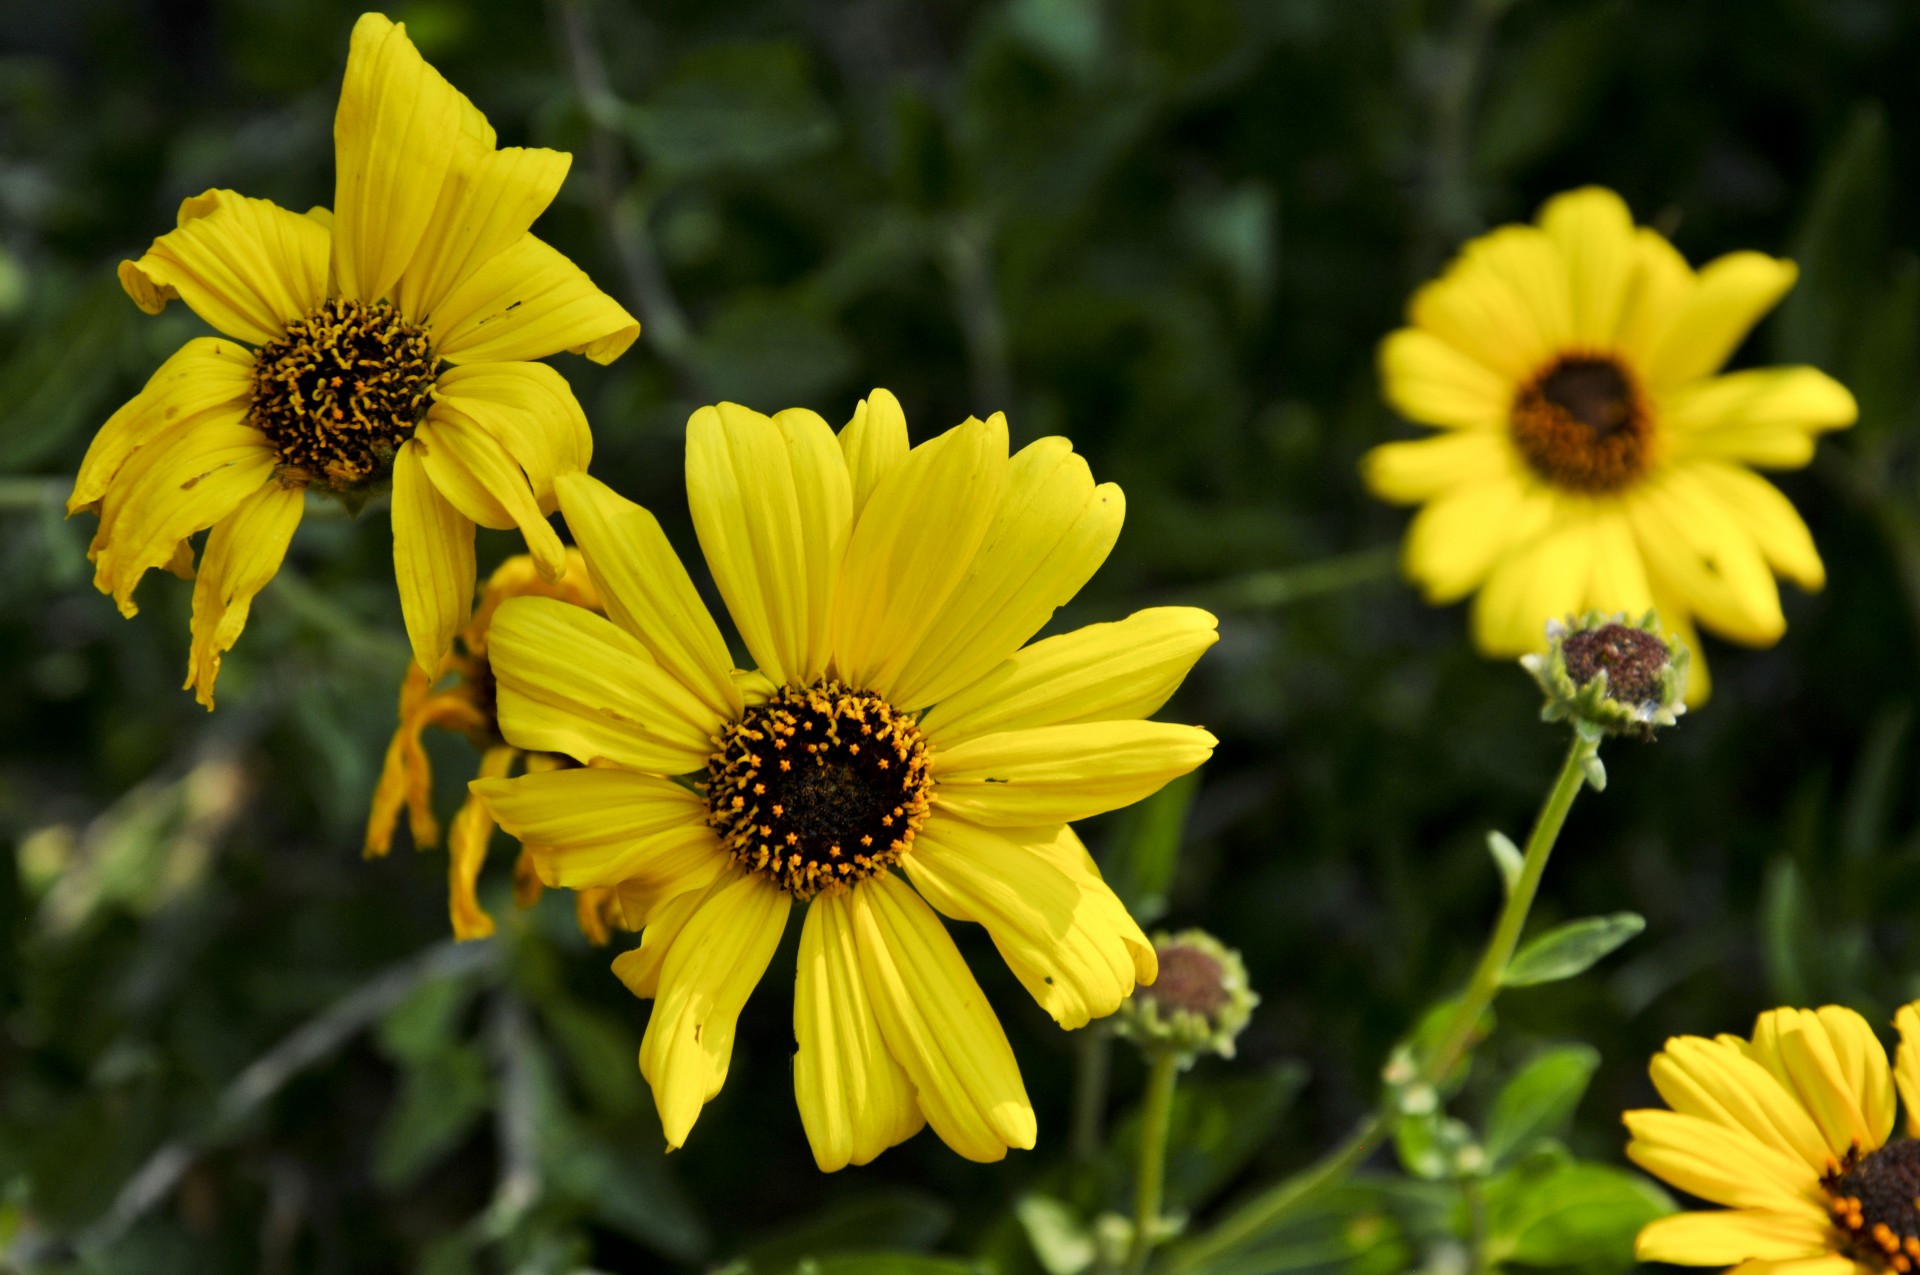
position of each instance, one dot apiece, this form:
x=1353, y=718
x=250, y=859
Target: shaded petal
x=1906, y=1066
x=247, y=266
x=528, y=409
x=1729, y=296
x=485, y=483
x=604, y=826
x=1767, y=416
x=874, y=442
x=468, y=839
x=1660, y=290
x=1544, y=580
x=489, y=200
x=1056, y=774
x=1699, y=552
x=937, y=1024
x=1429, y=379
x=432, y=560
x=1453, y=543
x=526, y=302
x=1618, y=583
x=207, y=377
x=1595, y=235
x=1103, y=672
x=243, y=553
x=406, y=775
x=1722, y=1165
x=1408, y=473
x=1730, y=1237
x=1769, y=517
x=855, y=1100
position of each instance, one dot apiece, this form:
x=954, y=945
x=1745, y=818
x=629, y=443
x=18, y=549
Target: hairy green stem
x=1150, y=1177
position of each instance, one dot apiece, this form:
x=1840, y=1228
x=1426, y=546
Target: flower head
x=386, y=341
x=1591, y=456
x=900, y=751
x=1200, y=1003
x=1616, y=675
x=1789, y=1130
x=461, y=698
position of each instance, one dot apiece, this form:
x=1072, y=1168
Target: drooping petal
x=1726, y=1238
x=489, y=200
x=208, y=376
x=485, y=483
x=1595, y=235
x=432, y=560
x=646, y=589
x=247, y=266
x=855, y=1100
x=1769, y=417
x=1103, y=672
x=528, y=409
x=468, y=839
x=874, y=442
x=574, y=682
x=1729, y=296
x=1057, y=774
x=1428, y=379
x=406, y=774
x=1722, y=1165
x=1054, y=529
x=243, y=553
x=1065, y=936
x=937, y=1024
x=773, y=506
x=529, y=301
x=1408, y=473
x=602, y=826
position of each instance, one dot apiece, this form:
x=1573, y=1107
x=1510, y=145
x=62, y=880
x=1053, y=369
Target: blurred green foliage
x=1171, y=229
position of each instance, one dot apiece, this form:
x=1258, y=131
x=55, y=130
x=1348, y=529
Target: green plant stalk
x=1261, y=1212
x=1150, y=1176
x=1091, y=1066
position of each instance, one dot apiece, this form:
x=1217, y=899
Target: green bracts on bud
x=1609, y=675
x=1198, y=1004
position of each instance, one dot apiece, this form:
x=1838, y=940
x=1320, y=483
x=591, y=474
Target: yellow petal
x=243, y=553
x=432, y=560
x=1594, y=232
x=1661, y=286
x=772, y=506
x=574, y=682
x=1618, y=582
x=1863, y=1065
x=1677, y=620
x=1906, y=1066
x=468, y=839
x=246, y=266
x=526, y=302
x=1054, y=529
x=1103, y=672
x=1729, y=296
x=1730, y=1237
x=1066, y=937
x=1057, y=774
x=406, y=776
x=1833, y=1062
x=639, y=969
x=1717, y=1081
x=396, y=134
x=1453, y=542
x=1430, y=379
x=528, y=409
x=937, y=1024
x=915, y=540
x=1831, y=1264
x=712, y=967
x=1476, y=308
x=1529, y=262
x=603, y=826
x=855, y=1100
x=207, y=375
x=1767, y=516
x=874, y=442
x=1542, y=581
x=489, y=200
x=1697, y=550
x=646, y=590
x=485, y=484
x=1722, y=1165
x=1408, y=473
x=1766, y=416
x=181, y=484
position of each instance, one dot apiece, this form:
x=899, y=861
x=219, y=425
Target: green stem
x=1090, y=1091
x=1261, y=590
x=1150, y=1177
x=1260, y=1213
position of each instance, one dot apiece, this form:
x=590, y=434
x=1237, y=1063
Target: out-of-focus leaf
x=1540, y=1099
x=734, y=106
x=1868, y=807
x=1790, y=932
x=886, y=1220
x=771, y=353
x=1506, y=857
x=1433, y=1146
x=1571, y=948
x=1553, y=85
x=442, y=1096
x=629, y=1190
x=1067, y=33
x=887, y=1264
x=423, y=1024
x=1840, y=246
x=599, y=1053
x=52, y=387
x=1215, y=1129
x=1145, y=850
x=1060, y=1239
x=1569, y=1214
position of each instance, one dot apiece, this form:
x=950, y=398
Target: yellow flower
x=1789, y=1131
x=330, y=370
x=461, y=698
x=895, y=720
x=1590, y=457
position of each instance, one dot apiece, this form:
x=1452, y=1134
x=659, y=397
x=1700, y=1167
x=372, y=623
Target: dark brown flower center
x=1582, y=425
x=1875, y=1199
x=1189, y=979
x=818, y=787
x=1632, y=659
x=340, y=392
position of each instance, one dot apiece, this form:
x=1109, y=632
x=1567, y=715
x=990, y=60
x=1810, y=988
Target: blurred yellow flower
x=1590, y=456
x=895, y=721
x=461, y=699
x=329, y=373
x=1789, y=1130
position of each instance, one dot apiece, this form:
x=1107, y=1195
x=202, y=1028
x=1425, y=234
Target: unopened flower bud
x=1610, y=675
x=1199, y=1003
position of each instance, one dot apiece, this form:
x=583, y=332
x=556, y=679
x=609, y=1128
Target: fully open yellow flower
x=461, y=699
x=895, y=721
x=1590, y=457
x=330, y=370
x=1789, y=1130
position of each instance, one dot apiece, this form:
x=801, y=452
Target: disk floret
x=1611, y=675
x=1582, y=424
x=1875, y=1199
x=820, y=786
x=341, y=391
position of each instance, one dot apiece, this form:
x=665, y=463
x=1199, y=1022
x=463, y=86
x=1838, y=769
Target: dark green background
x=1173, y=230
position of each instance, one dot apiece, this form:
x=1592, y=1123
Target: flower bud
x=1610, y=675
x=1200, y=1002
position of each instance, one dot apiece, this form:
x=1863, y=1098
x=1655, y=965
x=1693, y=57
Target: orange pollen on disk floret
x=340, y=392
x=1875, y=1200
x=1582, y=424
x=819, y=787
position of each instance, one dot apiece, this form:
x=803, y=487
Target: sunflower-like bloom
x=898, y=753
x=461, y=699
x=1789, y=1130
x=386, y=340
x=1590, y=456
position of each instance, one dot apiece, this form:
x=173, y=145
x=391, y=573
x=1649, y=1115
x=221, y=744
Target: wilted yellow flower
x=1789, y=1130
x=895, y=721
x=461, y=699
x=385, y=340
x=1590, y=456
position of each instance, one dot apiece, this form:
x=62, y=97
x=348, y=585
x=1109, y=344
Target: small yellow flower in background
x=897, y=719
x=461, y=699
x=1789, y=1130
x=329, y=373
x=1590, y=456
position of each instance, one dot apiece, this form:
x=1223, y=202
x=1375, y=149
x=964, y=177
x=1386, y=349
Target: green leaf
x=1569, y=1214
x=628, y=1189
x=1142, y=858
x=1840, y=247
x=888, y=1264
x=1553, y=85
x=1060, y=1239
x=732, y=107
x=1215, y=1129
x=1540, y=1099
x=424, y=1023
x=1571, y=949
x=1871, y=794
x=442, y=1096
x=1506, y=857
x=1790, y=932
x=890, y=1221
x=768, y=351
